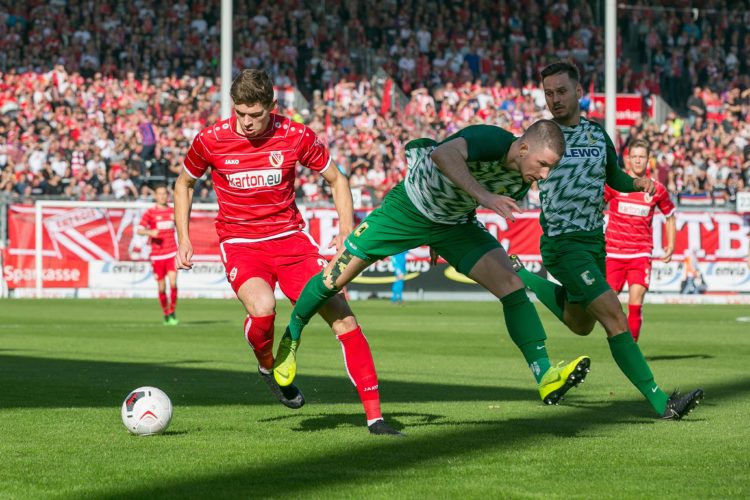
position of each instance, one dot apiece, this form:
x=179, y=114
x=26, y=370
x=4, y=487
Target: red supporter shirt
x=254, y=178
x=163, y=245
x=629, y=230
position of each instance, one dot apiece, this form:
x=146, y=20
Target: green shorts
x=578, y=262
x=397, y=226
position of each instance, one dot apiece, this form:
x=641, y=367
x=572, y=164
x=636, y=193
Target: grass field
x=450, y=378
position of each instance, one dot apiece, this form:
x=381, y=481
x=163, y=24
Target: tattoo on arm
x=339, y=266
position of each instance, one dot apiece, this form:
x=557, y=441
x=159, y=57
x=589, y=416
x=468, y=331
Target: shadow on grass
x=33, y=382
x=331, y=421
x=674, y=357
x=380, y=456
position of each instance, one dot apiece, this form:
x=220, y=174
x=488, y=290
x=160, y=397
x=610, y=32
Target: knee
x=261, y=307
x=580, y=326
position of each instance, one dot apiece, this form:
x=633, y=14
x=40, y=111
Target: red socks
x=163, y=302
x=635, y=320
x=259, y=334
x=172, y=299
x=361, y=370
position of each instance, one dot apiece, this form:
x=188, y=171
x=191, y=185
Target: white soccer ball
x=146, y=411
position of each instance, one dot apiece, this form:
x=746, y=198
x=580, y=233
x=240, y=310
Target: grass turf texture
x=450, y=378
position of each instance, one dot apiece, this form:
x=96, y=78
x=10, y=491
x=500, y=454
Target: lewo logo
x=583, y=153
x=254, y=179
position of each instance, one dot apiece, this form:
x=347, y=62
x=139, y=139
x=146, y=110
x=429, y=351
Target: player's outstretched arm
x=184, y=187
x=450, y=157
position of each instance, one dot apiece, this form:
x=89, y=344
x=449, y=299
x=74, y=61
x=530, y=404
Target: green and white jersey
x=437, y=197
x=572, y=197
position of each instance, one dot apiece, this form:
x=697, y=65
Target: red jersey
x=163, y=245
x=631, y=215
x=254, y=177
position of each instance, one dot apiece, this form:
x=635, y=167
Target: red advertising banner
x=74, y=239
x=628, y=108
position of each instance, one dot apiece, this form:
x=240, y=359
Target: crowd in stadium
x=102, y=100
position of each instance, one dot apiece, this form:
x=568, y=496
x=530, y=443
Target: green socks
x=313, y=297
x=629, y=358
x=548, y=293
x=526, y=331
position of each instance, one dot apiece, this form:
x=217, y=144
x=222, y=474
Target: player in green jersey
x=436, y=206
x=572, y=243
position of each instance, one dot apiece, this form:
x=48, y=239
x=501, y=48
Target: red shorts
x=289, y=261
x=635, y=271
x=162, y=267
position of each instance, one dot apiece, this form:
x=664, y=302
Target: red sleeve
x=147, y=221
x=311, y=152
x=197, y=159
x=609, y=193
x=663, y=202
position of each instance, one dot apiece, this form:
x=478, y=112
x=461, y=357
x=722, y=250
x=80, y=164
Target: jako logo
x=231, y=162
x=583, y=153
x=254, y=178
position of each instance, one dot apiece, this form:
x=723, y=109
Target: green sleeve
x=485, y=142
x=616, y=178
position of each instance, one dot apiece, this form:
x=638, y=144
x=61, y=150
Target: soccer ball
x=146, y=411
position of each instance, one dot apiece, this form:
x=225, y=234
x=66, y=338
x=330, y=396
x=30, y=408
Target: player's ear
x=523, y=148
x=273, y=105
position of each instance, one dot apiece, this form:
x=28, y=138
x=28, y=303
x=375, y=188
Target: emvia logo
x=583, y=153
x=254, y=179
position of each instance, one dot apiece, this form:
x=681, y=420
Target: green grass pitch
x=450, y=378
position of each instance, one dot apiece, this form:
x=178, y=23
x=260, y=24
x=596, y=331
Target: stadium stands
x=101, y=100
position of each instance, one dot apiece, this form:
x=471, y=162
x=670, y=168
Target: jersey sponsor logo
x=587, y=278
x=635, y=209
x=254, y=179
x=232, y=161
x=164, y=224
x=276, y=159
x=583, y=153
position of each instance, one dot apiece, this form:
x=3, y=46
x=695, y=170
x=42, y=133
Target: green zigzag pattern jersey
x=572, y=197
x=438, y=198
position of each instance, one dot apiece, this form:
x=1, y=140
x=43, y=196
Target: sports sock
x=361, y=370
x=163, y=302
x=312, y=298
x=635, y=320
x=526, y=331
x=172, y=299
x=548, y=293
x=629, y=358
x=259, y=334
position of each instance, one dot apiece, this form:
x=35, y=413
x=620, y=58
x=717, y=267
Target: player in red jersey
x=630, y=238
x=158, y=224
x=253, y=157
